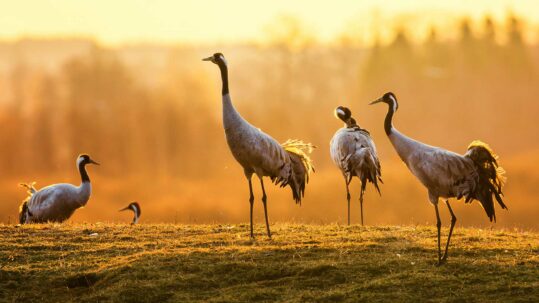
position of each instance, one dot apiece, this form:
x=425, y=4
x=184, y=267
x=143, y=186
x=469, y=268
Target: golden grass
x=303, y=263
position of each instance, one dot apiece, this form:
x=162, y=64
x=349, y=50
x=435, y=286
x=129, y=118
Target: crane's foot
x=441, y=262
x=444, y=258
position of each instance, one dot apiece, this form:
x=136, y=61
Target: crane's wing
x=343, y=144
x=354, y=152
x=256, y=151
x=444, y=173
x=53, y=203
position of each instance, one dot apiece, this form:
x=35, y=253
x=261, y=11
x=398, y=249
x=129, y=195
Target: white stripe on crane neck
x=394, y=103
x=135, y=210
x=224, y=60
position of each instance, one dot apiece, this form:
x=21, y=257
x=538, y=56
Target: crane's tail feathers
x=23, y=211
x=491, y=177
x=368, y=168
x=30, y=187
x=301, y=167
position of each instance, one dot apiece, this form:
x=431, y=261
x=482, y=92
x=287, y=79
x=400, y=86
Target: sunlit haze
x=210, y=22
x=123, y=81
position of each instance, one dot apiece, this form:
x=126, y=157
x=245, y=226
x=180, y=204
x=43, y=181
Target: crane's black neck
x=224, y=76
x=83, y=173
x=388, y=123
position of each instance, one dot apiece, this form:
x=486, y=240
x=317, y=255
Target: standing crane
x=474, y=175
x=57, y=202
x=258, y=153
x=135, y=207
x=353, y=151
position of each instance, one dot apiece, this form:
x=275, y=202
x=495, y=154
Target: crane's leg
x=348, y=198
x=361, y=205
x=251, y=202
x=453, y=221
x=439, y=226
x=264, y=198
x=361, y=199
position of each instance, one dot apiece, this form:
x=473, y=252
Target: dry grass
x=218, y=263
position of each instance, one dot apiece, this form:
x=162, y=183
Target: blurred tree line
x=103, y=105
x=95, y=105
x=472, y=84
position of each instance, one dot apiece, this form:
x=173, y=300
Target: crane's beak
x=127, y=208
x=208, y=59
x=93, y=162
x=377, y=101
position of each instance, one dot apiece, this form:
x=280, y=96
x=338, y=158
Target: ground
x=303, y=263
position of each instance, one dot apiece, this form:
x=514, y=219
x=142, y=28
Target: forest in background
x=151, y=114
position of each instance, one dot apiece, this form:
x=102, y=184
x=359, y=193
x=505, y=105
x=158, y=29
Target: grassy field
x=303, y=263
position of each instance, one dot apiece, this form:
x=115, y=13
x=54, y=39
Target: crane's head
x=84, y=159
x=217, y=58
x=135, y=207
x=388, y=98
x=345, y=114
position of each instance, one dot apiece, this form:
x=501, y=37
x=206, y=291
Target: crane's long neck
x=136, y=215
x=231, y=118
x=404, y=145
x=224, y=77
x=85, y=188
x=388, y=123
x=83, y=174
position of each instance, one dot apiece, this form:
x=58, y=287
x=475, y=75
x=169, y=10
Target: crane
x=353, y=151
x=258, y=153
x=476, y=175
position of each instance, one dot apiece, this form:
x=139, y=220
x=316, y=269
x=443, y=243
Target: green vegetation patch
x=303, y=263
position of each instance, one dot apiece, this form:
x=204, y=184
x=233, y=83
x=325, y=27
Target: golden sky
x=216, y=21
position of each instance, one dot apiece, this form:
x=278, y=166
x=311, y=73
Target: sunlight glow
x=212, y=21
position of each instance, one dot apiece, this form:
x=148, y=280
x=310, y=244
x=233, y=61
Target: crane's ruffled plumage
x=56, y=203
x=354, y=152
x=490, y=178
x=301, y=167
x=23, y=208
x=474, y=175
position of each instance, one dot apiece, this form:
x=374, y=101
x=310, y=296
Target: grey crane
x=475, y=175
x=258, y=153
x=57, y=202
x=353, y=151
x=135, y=207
